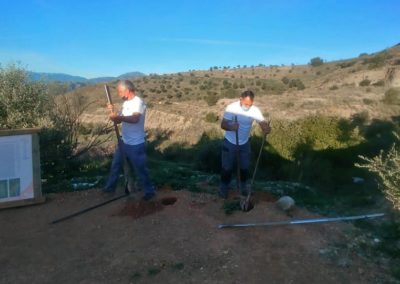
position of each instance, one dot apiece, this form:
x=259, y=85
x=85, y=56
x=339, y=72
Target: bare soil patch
x=129, y=241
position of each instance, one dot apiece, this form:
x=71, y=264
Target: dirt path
x=177, y=243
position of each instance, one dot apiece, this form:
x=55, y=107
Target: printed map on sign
x=16, y=176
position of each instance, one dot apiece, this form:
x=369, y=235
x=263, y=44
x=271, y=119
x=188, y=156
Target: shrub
x=346, y=64
x=392, y=96
x=316, y=61
x=368, y=101
x=334, y=87
x=211, y=117
x=22, y=103
x=211, y=99
x=296, y=83
x=364, y=83
x=379, y=83
x=377, y=60
x=360, y=118
x=387, y=166
x=285, y=80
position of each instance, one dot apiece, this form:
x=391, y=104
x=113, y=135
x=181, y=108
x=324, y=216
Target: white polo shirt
x=133, y=133
x=245, y=120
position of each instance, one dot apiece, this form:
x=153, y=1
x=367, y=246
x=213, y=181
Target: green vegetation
x=364, y=83
x=296, y=83
x=316, y=61
x=378, y=60
x=211, y=117
x=346, y=64
x=392, y=96
x=22, y=103
x=387, y=166
x=63, y=137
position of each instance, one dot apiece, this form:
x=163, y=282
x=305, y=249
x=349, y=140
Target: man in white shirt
x=132, y=118
x=239, y=117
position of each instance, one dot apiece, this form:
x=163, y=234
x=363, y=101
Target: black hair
x=247, y=93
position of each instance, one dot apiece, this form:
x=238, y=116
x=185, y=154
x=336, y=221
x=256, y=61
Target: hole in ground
x=168, y=200
x=250, y=206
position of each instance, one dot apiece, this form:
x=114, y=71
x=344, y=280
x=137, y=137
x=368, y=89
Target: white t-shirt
x=133, y=133
x=245, y=120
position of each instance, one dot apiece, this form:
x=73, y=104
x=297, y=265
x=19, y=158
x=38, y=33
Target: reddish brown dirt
x=137, y=209
x=127, y=242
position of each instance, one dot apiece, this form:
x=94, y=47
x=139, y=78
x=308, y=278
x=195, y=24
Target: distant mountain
x=66, y=78
x=60, y=77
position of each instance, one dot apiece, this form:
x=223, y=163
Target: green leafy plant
x=316, y=61
x=387, y=166
x=392, y=96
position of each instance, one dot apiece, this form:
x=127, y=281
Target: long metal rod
x=301, y=221
x=87, y=209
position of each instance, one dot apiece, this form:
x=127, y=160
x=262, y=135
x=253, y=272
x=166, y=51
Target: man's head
x=126, y=89
x=246, y=100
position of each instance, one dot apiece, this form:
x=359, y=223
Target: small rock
x=285, y=203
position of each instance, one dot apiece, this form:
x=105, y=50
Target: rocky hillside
x=185, y=104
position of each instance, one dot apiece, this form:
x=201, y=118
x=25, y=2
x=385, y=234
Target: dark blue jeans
x=229, y=154
x=136, y=156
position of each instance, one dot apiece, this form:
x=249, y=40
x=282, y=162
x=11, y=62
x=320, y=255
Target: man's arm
x=229, y=125
x=134, y=118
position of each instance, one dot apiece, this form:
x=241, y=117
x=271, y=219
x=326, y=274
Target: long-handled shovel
x=129, y=185
x=245, y=204
x=237, y=157
x=128, y=180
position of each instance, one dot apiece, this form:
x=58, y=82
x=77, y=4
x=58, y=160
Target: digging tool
x=87, y=209
x=237, y=156
x=245, y=203
x=302, y=221
x=129, y=185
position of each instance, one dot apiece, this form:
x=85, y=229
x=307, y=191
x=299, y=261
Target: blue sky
x=95, y=38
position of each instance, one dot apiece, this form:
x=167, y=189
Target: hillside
x=178, y=102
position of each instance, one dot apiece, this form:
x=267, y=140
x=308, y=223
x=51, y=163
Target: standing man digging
x=237, y=122
x=132, y=118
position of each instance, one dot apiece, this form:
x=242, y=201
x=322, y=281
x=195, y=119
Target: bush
x=334, y=87
x=211, y=99
x=368, y=101
x=379, y=83
x=296, y=83
x=285, y=80
x=346, y=64
x=63, y=138
x=377, y=60
x=22, y=103
x=392, y=96
x=387, y=166
x=364, y=83
x=211, y=117
x=316, y=61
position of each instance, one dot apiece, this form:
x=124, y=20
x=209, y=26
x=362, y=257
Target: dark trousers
x=229, y=157
x=136, y=156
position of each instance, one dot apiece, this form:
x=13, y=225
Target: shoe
x=148, y=196
x=223, y=194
